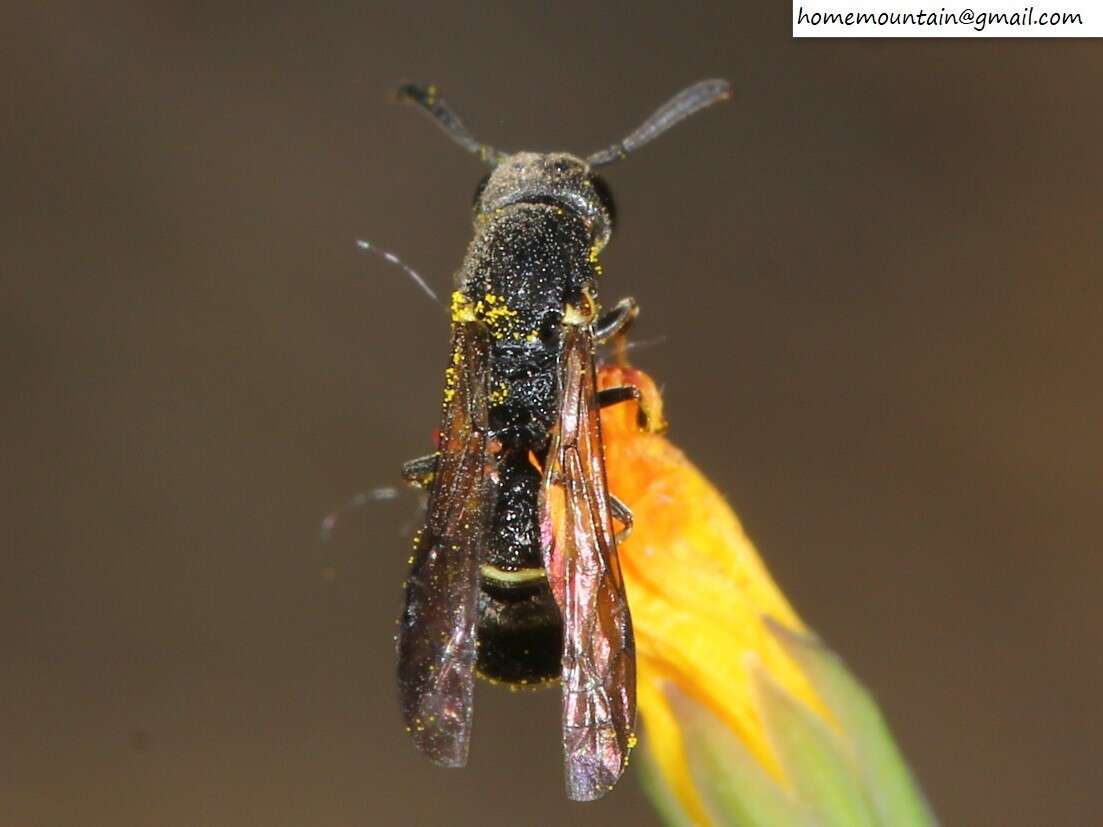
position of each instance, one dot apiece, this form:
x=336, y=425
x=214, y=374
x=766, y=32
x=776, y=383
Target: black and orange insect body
x=515, y=574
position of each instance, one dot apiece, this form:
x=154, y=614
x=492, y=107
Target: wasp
x=514, y=575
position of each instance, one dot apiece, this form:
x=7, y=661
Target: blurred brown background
x=878, y=276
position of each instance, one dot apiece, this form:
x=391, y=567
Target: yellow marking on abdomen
x=511, y=577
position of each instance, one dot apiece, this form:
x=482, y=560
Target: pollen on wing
x=450, y=382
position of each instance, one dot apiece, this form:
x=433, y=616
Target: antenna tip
x=715, y=90
x=425, y=94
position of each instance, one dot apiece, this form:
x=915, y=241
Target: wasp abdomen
x=520, y=632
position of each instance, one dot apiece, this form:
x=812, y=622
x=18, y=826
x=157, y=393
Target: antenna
x=690, y=100
x=429, y=100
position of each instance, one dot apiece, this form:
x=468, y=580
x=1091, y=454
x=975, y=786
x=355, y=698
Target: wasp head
x=556, y=178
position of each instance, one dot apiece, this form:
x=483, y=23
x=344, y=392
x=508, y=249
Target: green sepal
x=659, y=793
x=814, y=759
x=882, y=773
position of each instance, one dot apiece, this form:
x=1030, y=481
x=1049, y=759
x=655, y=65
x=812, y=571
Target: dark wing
x=436, y=637
x=580, y=551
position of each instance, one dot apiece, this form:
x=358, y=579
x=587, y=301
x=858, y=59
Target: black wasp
x=515, y=574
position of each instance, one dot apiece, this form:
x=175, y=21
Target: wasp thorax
x=555, y=178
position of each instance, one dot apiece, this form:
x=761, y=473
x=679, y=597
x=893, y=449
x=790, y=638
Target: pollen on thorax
x=462, y=309
x=498, y=316
x=592, y=258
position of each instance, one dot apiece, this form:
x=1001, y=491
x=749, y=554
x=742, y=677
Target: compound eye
x=605, y=195
x=479, y=190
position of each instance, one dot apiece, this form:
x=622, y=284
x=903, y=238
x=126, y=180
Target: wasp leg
x=607, y=397
x=420, y=471
x=617, y=320
x=354, y=503
x=624, y=514
x=623, y=393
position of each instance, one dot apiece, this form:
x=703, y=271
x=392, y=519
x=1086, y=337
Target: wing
x=436, y=638
x=580, y=551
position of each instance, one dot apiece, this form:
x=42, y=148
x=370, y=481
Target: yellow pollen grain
x=497, y=316
x=462, y=311
x=450, y=383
